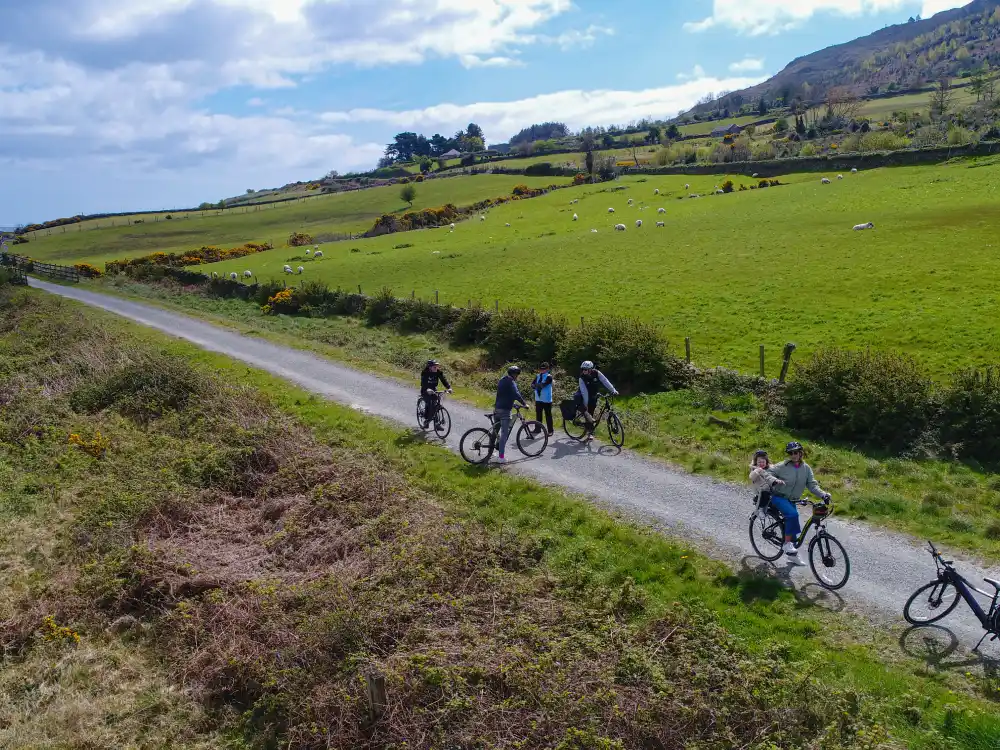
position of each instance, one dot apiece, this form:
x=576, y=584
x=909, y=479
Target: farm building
x=453, y=154
x=724, y=130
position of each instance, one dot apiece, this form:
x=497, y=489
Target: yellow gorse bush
x=51, y=631
x=97, y=447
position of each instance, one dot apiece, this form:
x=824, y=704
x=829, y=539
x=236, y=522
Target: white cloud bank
x=747, y=65
x=756, y=17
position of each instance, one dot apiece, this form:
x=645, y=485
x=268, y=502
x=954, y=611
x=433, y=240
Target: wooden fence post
x=581, y=321
x=436, y=297
x=359, y=289
x=787, y=355
x=762, y=361
x=376, y=697
x=497, y=306
x=687, y=349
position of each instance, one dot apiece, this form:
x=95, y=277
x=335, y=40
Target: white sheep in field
x=611, y=210
x=301, y=269
x=619, y=227
x=854, y=170
x=315, y=247
x=755, y=175
x=287, y=269
x=720, y=192
x=247, y=274
x=593, y=231
x=860, y=227
x=215, y=275
x=318, y=254
x=656, y=192
x=233, y=276
x=575, y=217
x=825, y=181
x=630, y=201
x=638, y=223
x=308, y=252
x=482, y=218
x=687, y=186
x=451, y=227
x=840, y=176
x=661, y=223
x=507, y=224
x=661, y=210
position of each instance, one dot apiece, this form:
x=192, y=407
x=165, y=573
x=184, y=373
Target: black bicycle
x=441, y=419
x=936, y=600
x=827, y=556
x=576, y=427
x=478, y=444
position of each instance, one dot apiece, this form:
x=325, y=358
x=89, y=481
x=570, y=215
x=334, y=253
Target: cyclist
x=507, y=396
x=587, y=392
x=798, y=477
x=762, y=480
x=429, y=379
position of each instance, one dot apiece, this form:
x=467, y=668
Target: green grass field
x=340, y=213
x=730, y=271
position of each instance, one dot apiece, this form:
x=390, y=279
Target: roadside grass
x=730, y=271
x=854, y=678
x=341, y=213
x=955, y=504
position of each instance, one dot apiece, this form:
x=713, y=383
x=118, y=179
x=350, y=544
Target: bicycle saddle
x=489, y=416
x=994, y=584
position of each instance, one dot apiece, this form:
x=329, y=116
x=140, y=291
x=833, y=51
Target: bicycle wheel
x=421, y=412
x=931, y=602
x=829, y=561
x=532, y=438
x=442, y=423
x=576, y=428
x=476, y=445
x=766, y=536
x=616, y=430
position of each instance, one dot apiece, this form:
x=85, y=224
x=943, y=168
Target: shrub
x=580, y=178
x=408, y=193
x=419, y=178
x=520, y=189
x=380, y=308
x=808, y=150
x=472, y=326
x=282, y=303
x=881, y=141
x=419, y=316
x=880, y=399
x=970, y=415
x=88, y=271
x=540, y=169
x=298, y=239
x=633, y=354
x=523, y=335
x=727, y=186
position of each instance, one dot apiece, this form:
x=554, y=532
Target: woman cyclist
x=797, y=477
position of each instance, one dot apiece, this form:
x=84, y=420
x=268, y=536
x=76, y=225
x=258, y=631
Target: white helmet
x=587, y=365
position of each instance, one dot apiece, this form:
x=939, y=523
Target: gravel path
x=886, y=566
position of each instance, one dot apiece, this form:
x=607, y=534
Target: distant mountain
x=905, y=56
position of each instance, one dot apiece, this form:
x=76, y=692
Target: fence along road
x=886, y=566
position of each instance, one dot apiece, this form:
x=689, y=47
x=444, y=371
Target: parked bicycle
x=441, y=420
x=936, y=600
x=478, y=444
x=827, y=557
x=576, y=426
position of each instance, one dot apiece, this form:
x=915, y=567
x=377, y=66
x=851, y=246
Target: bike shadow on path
x=563, y=447
x=941, y=650
x=760, y=580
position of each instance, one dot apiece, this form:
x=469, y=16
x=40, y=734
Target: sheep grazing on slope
x=287, y=269
x=215, y=275
x=233, y=276
x=661, y=223
x=507, y=224
x=315, y=247
x=638, y=223
x=687, y=186
x=619, y=227
x=593, y=231
x=661, y=210
x=860, y=227
x=575, y=217
x=656, y=192
x=825, y=181
x=247, y=274
x=482, y=218
x=301, y=269
x=452, y=227
x=854, y=170
x=318, y=254
x=840, y=176
x=755, y=175
x=611, y=210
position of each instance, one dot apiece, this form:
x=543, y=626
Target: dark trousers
x=544, y=408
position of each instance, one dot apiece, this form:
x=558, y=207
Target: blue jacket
x=507, y=394
x=542, y=385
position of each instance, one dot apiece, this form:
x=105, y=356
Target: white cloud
x=747, y=65
x=499, y=61
x=577, y=108
x=757, y=17
x=697, y=72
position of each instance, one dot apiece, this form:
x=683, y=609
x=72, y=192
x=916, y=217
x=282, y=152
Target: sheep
x=687, y=186
x=661, y=223
x=638, y=223
x=508, y=223
x=452, y=227
x=656, y=192
x=854, y=170
x=611, y=210
x=825, y=181
x=482, y=218
x=661, y=210
x=315, y=247
x=318, y=254
x=233, y=276
x=436, y=252
x=308, y=252
x=301, y=269
x=247, y=274
x=215, y=275
x=860, y=227
x=840, y=176
x=720, y=192
x=287, y=269
x=755, y=175
x=593, y=231
x=575, y=217
x=630, y=201
x=619, y=227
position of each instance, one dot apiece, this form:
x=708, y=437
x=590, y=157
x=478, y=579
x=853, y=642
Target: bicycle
x=824, y=549
x=441, y=419
x=477, y=445
x=576, y=428
x=942, y=596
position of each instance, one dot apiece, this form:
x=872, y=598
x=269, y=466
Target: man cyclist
x=507, y=395
x=588, y=391
x=429, y=379
x=798, y=477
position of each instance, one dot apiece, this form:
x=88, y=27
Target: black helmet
x=758, y=454
x=794, y=446
x=513, y=370
x=432, y=362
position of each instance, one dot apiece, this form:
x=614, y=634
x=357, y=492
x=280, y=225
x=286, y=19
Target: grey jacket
x=797, y=480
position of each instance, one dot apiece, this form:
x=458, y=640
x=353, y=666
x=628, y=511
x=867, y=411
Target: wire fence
x=51, y=270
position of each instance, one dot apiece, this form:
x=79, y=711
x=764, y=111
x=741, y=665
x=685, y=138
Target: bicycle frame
x=604, y=408
x=947, y=574
x=812, y=522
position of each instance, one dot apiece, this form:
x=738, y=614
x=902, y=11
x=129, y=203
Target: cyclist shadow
x=938, y=648
x=759, y=579
x=564, y=447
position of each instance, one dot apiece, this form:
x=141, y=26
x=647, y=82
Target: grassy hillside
x=730, y=271
x=339, y=213
x=270, y=549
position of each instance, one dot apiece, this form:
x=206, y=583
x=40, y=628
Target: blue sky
x=119, y=105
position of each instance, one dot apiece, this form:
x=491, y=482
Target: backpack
x=568, y=408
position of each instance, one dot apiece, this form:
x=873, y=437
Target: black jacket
x=429, y=380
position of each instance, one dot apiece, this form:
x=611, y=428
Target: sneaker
x=501, y=459
x=426, y=424
x=790, y=549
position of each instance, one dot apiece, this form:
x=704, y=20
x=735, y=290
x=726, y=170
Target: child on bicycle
x=429, y=379
x=797, y=477
x=763, y=481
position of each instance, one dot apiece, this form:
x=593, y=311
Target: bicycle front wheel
x=766, y=536
x=829, y=562
x=532, y=438
x=931, y=602
x=442, y=423
x=616, y=430
x=476, y=445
